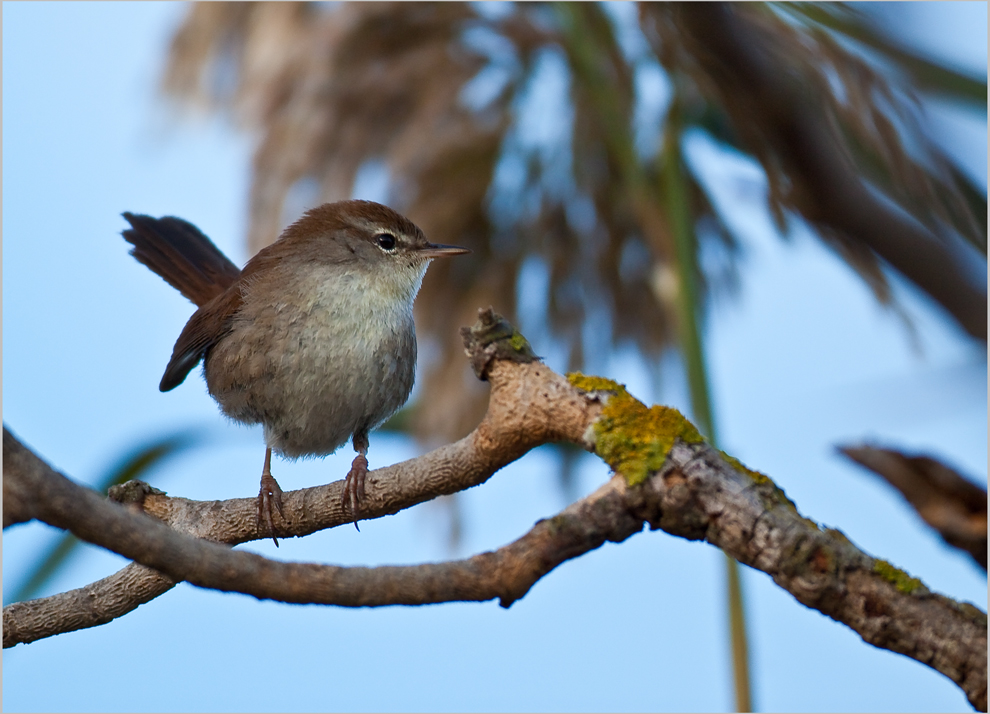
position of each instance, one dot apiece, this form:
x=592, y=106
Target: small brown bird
x=314, y=338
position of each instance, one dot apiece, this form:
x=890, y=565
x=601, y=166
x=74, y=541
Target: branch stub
x=492, y=338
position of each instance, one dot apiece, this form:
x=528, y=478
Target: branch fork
x=685, y=488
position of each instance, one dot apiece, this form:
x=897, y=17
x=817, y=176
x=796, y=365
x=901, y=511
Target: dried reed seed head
x=330, y=88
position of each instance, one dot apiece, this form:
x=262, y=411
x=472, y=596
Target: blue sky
x=803, y=360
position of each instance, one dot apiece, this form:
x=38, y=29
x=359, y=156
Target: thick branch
x=700, y=496
x=18, y=500
x=694, y=493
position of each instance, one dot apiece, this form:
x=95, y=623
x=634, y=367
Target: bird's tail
x=179, y=252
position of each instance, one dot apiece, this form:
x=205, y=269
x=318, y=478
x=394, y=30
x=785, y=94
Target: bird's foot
x=354, y=486
x=271, y=495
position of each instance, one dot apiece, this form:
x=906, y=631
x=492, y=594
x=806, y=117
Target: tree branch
x=947, y=501
x=686, y=488
x=95, y=604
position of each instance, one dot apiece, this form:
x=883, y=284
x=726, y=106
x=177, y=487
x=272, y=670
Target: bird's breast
x=332, y=356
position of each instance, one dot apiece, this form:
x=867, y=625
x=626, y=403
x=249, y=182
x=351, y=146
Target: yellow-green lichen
x=761, y=479
x=632, y=438
x=757, y=476
x=492, y=339
x=590, y=383
x=900, y=580
x=519, y=343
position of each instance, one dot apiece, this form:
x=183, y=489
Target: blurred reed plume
x=525, y=131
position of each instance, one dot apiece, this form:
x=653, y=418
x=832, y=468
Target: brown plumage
x=314, y=338
x=178, y=251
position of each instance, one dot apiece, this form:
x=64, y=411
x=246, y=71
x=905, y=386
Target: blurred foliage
x=136, y=463
x=547, y=139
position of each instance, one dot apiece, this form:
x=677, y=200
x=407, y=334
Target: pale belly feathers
x=345, y=363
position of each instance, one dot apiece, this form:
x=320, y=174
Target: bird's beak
x=435, y=250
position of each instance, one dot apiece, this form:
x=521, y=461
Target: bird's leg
x=270, y=495
x=354, y=483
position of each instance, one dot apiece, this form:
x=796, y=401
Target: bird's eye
x=385, y=241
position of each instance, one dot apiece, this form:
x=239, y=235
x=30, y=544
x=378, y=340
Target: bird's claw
x=354, y=486
x=271, y=495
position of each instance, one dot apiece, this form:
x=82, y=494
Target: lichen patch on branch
x=772, y=490
x=757, y=476
x=897, y=577
x=629, y=436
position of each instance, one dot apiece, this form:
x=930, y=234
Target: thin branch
x=524, y=411
x=95, y=604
